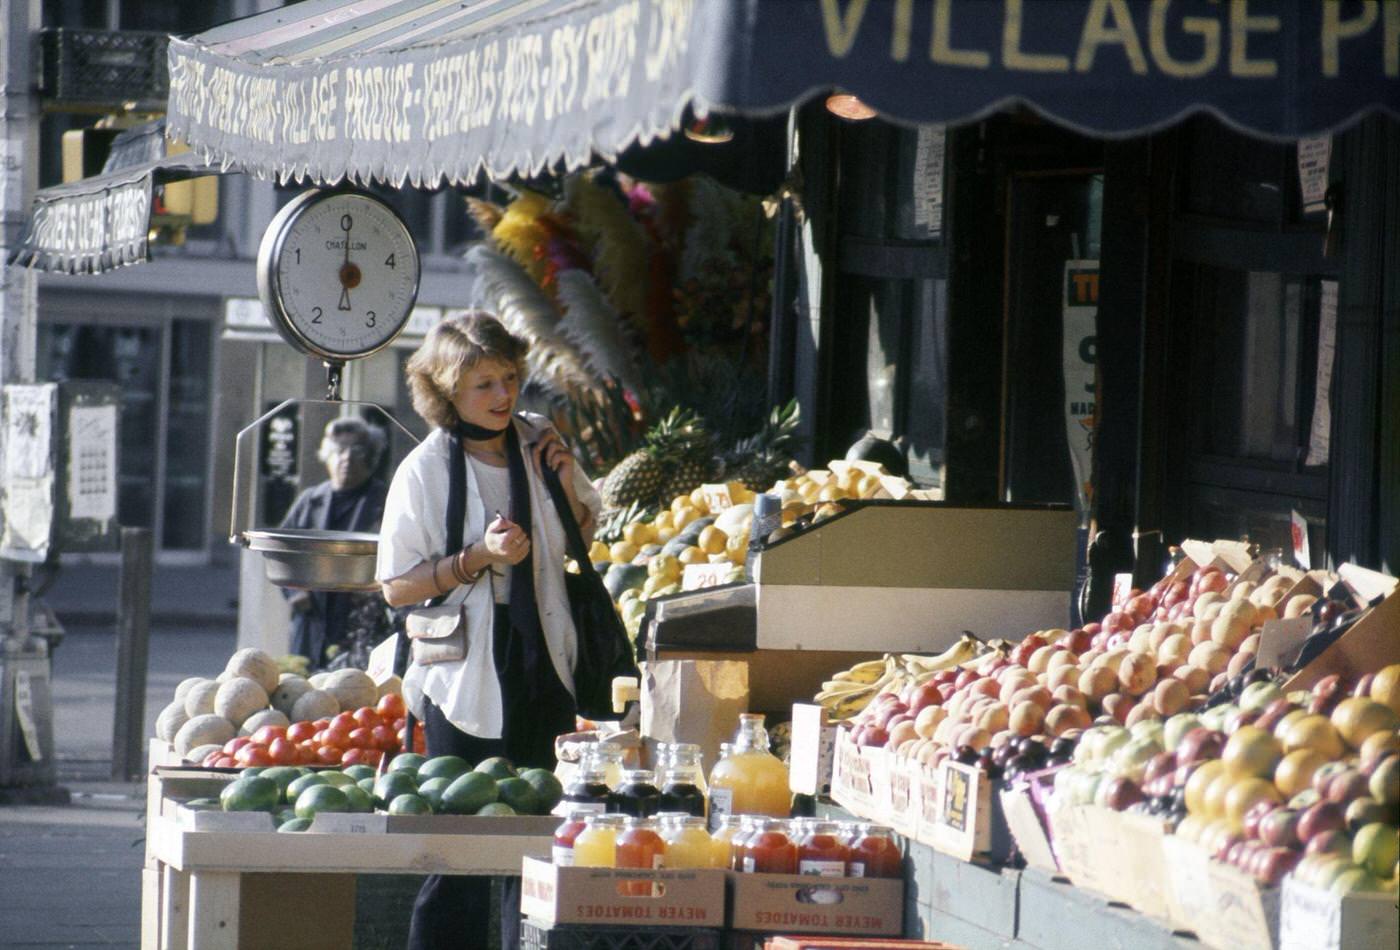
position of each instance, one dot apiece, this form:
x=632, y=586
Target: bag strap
x=577, y=549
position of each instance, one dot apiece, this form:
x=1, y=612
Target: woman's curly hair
x=452, y=347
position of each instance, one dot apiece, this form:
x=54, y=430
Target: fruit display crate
x=228, y=880
x=535, y=936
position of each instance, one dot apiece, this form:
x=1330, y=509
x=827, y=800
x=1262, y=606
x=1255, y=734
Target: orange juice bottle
x=751, y=780
x=596, y=844
x=722, y=840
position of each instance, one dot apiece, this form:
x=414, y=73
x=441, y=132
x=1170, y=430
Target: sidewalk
x=72, y=874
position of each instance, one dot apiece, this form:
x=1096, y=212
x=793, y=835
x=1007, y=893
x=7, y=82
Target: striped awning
x=423, y=91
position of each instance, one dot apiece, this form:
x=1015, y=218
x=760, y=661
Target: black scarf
x=524, y=612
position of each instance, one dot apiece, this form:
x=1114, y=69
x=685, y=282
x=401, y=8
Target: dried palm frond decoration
x=521, y=234
x=594, y=329
x=486, y=214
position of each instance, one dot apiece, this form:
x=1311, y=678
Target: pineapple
x=614, y=524
x=675, y=450
x=763, y=458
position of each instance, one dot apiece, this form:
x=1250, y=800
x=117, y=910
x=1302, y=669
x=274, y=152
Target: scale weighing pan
x=313, y=559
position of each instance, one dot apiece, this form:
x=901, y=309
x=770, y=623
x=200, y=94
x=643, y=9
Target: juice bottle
x=587, y=790
x=681, y=778
x=640, y=844
x=596, y=845
x=638, y=795
x=609, y=758
x=751, y=780
x=722, y=840
x=875, y=854
x=565, y=836
x=821, y=851
x=770, y=850
x=688, y=844
x=739, y=843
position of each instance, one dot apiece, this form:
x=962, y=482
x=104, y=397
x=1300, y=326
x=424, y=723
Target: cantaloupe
x=187, y=684
x=199, y=700
x=238, y=699
x=318, y=680
x=288, y=691
x=255, y=665
x=202, y=730
x=170, y=720
x=352, y=688
x=263, y=717
x=314, y=704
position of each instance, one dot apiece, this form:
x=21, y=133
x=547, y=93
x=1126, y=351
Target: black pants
x=452, y=911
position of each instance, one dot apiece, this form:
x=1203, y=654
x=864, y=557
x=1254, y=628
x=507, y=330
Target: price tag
x=1122, y=588
x=1301, y=555
x=717, y=497
x=704, y=576
x=1280, y=639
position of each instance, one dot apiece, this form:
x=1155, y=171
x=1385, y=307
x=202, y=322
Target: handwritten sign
x=717, y=497
x=705, y=576
x=1279, y=640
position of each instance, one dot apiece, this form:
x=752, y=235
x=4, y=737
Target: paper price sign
x=717, y=497
x=956, y=790
x=702, y=576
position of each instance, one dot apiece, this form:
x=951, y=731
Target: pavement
x=72, y=873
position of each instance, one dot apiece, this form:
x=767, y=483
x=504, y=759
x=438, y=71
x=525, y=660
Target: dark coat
x=324, y=623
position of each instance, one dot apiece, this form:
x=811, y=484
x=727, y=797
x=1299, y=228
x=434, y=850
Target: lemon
x=712, y=540
x=868, y=486
x=664, y=521
x=664, y=565
x=638, y=533
x=652, y=584
x=634, y=610
x=685, y=516
x=622, y=552
x=679, y=502
x=737, y=548
x=664, y=534
x=693, y=555
x=848, y=480
x=829, y=492
x=599, y=552
x=808, y=491
x=698, y=502
x=627, y=596
x=668, y=590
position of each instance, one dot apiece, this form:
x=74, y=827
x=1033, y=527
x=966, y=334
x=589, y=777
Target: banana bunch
x=850, y=691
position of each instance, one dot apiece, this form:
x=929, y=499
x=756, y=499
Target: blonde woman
x=513, y=691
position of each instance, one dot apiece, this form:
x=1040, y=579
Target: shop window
x=187, y=438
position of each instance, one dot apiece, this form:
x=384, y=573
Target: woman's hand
x=550, y=450
x=505, y=541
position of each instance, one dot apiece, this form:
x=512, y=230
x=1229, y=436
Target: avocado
x=468, y=793
x=520, y=795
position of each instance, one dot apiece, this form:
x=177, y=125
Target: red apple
x=1274, y=863
x=927, y=693
x=1279, y=828
x=1255, y=815
x=1122, y=793
x=1199, y=745
x=1077, y=641
x=1319, y=819
x=966, y=678
x=1160, y=765
x=1335, y=841
x=874, y=736
x=1092, y=628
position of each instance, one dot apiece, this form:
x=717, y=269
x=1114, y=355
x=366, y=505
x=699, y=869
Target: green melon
x=410, y=805
x=443, y=766
x=520, y=795
x=250, y=794
x=432, y=791
x=546, y=786
x=498, y=767
x=407, y=762
x=294, y=825
x=283, y=775
x=321, y=798
x=390, y=785
x=358, y=772
x=496, y=810
x=468, y=793
x=299, y=785
x=358, y=799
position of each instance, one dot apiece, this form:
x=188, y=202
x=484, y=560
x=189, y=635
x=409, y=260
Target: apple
x=1274, y=713
x=1345, y=786
x=1021, y=653
x=1118, y=706
x=1278, y=828
x=1274, y=864
x=1376, y=848
x=1384, y=782
x=1326, y=694
x=1319, y=819
x=1200, y=744
x=1363, y=685
x=1121, y=793
x=1240, y=717
x=875, y=735
x=1259, y=695
x=1376, y=747
x=1335, y=841
x=1245, y=794
x=1257, y=812
x=1163, y=764
x=927, y=693
x=1364, y=811
x=1077, y=640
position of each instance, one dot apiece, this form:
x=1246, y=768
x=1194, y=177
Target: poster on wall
x=1081, y=306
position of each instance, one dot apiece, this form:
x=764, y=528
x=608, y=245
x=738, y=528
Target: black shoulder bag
x=603, y=647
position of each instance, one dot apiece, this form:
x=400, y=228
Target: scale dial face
x=338, y=273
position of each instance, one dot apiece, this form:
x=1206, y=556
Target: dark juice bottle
x=586, y=791
x=638, y=795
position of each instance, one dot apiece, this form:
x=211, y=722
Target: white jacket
x=413, y=530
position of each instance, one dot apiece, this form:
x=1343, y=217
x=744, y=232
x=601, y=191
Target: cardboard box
x=956, y=810
x=1022, y=804
x=1371, y=643
x=613, y=897
x=1223, y=906
x=803, y=903
x=894, y=574
x=812, y=751
x=1116, y=854
x=1314, y=919
x=850, y=776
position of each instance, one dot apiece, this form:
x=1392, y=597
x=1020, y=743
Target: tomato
x=354, y=757
x=232, y=746
x=266, y=734
x=212, y=759
x=337, y=737
x=361, y=738
x=322, y=723
x=386, y=739
x=390, y=706
x=226, y=762
x=420, y=744
x=371, y=756
x=400, y=724
x=301, y=731
x=366, y=716
x=329, y=755
x=343, y=720
x=253, y=754
x=282, y=751
x=306, y=753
